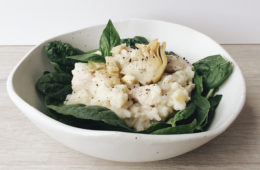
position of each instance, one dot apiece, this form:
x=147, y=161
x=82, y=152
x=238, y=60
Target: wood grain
x=23, y=146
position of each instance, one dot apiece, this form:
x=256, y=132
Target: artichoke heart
x=147, y=63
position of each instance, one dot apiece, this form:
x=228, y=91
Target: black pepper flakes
x=130, y=60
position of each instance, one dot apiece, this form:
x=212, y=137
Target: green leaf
x=50, y=83
x=210, y=93
x=214, y=70
x=88, y=57
x=56, y=67
x=136, y=40
x=58, y=97
x=198, y=81
x=183, y=114
x=57, y=51
x=181, y=129
x=202, y=109
x=214, y=102
x=154, y=127
x=92, y=51
x=109, y=39
x=96, y=113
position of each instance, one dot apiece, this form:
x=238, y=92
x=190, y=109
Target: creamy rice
x=138, y=104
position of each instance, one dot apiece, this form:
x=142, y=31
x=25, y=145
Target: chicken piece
x=176, y=63
x=147, y=95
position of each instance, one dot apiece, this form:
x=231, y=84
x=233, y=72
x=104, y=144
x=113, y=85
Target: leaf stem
x=91, y=51
x=210, y=93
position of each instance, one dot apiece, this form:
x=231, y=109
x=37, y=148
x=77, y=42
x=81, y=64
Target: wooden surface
x=23, y=146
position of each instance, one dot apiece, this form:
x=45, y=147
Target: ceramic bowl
x=121, y=146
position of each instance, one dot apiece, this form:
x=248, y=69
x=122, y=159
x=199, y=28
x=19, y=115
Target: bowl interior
x=182, y=40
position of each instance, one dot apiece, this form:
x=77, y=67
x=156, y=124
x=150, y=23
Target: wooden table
x=23, y=146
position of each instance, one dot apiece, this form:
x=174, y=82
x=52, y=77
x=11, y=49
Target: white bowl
x=121, y=146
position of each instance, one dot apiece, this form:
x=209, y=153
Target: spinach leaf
x=214, y=70
x=198, y=81
x=56, y=67
x=54, y=82
x=109, y=39
x=202, y=109
x=81, y=123
x=181, y=129
x=214, y=102
x=58, y=97
x=132, y=41
x=84, y=58
x=57, y=51
x=92, y=51
x=183, y=114
x=96, y=113
x=154, y=127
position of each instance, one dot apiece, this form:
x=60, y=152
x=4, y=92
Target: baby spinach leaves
x=136, y=40
x=214, y=102
x=210, y=73
x=109, y=39
x=183, y=114
x=57, y=51
x=202, y=109
x=84, y=58
x=154, y=127
x=53, y=82
x=96, y=113
x=181, y=129
x=214, y=70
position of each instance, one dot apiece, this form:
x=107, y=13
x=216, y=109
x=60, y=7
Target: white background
x=31, y=21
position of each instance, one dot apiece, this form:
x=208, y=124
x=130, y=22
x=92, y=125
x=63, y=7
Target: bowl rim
x=23, y=105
